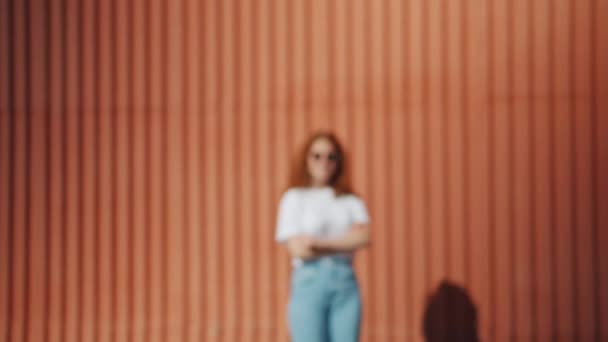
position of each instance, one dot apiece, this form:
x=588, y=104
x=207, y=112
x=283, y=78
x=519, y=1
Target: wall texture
x=144, y=145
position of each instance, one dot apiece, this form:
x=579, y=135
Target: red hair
x=299, y=171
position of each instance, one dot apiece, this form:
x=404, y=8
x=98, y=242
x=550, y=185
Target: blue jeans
x=324, y=304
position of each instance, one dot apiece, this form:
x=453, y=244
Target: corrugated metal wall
x=144, y=146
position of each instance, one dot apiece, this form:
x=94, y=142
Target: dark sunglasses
x=333, y=157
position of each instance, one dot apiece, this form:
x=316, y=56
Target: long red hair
x=300, y=177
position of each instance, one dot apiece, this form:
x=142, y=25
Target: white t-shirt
x=318, y=212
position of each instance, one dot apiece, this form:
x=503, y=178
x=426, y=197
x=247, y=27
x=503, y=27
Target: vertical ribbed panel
x=144, y=146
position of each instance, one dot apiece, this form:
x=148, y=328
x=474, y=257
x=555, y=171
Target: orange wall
x=144, y=146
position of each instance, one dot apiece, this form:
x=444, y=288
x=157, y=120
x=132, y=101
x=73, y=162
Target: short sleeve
x=287, y=218
x=359, y=211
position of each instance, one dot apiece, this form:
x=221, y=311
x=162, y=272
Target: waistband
x=346, y=260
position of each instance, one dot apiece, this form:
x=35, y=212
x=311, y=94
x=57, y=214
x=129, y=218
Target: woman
x=322, y=223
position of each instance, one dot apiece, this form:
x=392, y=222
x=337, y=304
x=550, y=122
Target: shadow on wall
x=450, y=315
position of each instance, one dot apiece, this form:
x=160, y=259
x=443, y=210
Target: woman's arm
x=300, y=246
x=357, y=237
x=306, y=247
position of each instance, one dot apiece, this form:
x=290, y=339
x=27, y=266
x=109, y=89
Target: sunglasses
x=332, y=157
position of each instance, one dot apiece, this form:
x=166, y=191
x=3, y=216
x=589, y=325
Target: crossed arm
x=306, y=247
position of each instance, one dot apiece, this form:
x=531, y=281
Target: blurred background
x=144, y=145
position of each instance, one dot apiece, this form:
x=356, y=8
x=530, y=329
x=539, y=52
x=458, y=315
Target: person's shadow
x=450, y=315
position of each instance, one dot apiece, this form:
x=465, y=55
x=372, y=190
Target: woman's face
x=322, y=161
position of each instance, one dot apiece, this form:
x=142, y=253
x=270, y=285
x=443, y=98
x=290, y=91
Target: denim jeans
x=324, y=304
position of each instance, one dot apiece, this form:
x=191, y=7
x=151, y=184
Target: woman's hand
x=357, y=237
x=307, y=247
x=301, y=246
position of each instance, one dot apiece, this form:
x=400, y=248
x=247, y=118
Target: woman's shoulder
x=294, y=190
x=351, y=200
x=357, y=207
x=291, y=193
x=351, y=196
